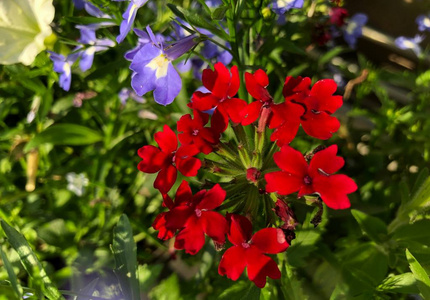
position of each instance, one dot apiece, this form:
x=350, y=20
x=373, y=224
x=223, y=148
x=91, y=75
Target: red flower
x=194, y=132
x=196, y=219
x=337, y=16
x=316, y=106
x=248, y=251
x=183, y=195
x=168, y=159
x=297, y=175
x=223, y=87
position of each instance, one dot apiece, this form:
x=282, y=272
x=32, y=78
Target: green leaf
x=219, y=13
x=30, y=261
x=148, y=275
x=291, y=286
x=65, y=134
x=371, y=226
x=88, y=20
x=17, y=289
x=416, y=232
x=167, y=289
x=420, y=274
x=403, y=283
x=124, y=251
x=328, y=56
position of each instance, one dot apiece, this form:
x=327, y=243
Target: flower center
x=307, y=180
x=198, y=212
x=245, y=245
x=195, y=132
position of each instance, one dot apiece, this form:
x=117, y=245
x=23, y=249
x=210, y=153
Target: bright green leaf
x=17, y=289
x=371, y=226
x=420, y=274
x=403, y=283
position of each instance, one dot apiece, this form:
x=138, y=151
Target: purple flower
x=63, y=66
x=410, y=43
x=127, y=93
x=88, y=37
x=128, y=18
x=153, y=70
x=282, y=6
x=79, y=4
x=354, y=29
x=423, y=22
x=94, y=11
x=213, y=3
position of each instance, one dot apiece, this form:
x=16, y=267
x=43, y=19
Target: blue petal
x=168, y=87
x=143, y=82
x=143, y=57
x=127, y=22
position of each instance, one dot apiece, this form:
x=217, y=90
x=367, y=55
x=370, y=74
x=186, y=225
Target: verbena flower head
x=24, y=25
x=248, y=251
x=354, y=29
x=153, y=69
x=128, y=18
x=423, y=22
x=88, y=37
x=282, y=6
x=63, y=66
x=406, y=43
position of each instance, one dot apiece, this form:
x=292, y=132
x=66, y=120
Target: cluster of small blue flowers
x=412, y=43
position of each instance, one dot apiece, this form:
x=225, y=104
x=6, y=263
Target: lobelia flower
x=223, y=87
x=409, y=43
x=297, y=175
x=88, y=37
x=354, y=29
x=196, y=217
x=63, y=66
x=24, y=26
x=280, y=7
x=94, y=11
x=194, y=132
x=213, y=3
x=128, y=18
x=153, y=69
x=168, y=159
x=126, y=94
x=423, y=22
x=248, y=251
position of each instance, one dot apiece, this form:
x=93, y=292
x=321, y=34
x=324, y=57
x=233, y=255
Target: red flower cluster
x=190, y=217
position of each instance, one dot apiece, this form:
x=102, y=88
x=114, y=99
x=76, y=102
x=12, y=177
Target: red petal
x=251, y=112
x=261, y=77
x=323, y=91
x=212, y=198
x=333, y=190
x=320, y=126
x=203, y=101
x=183, y=194
x=191, y=238
x=270, y=240
x=189, y=166
x=160, y=224
x=208, y=135
x=240, y=229
x=233, y=262
x=234, y=83
x=166, y=139
x=283, y=183
x=326, y=160
x=200, y=118
x=284, y=134
x=256, y=85
x=291, y=161
x=178, y=217
x=235, y=109
x=152, y=159
x=219, y=120
x=295, y=85
x=260, y=266
x=165, y=179
x=185, y=124
x=214, y=225
x=219, y=81
x=167, y=201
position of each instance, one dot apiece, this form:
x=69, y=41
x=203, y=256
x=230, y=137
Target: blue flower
x=88, y=37
x=143, y=39
x=213, y=3
x=354, y=29
x=128, y=18
x=63, y=66
x=153, y=70
x=280, y=7
x=410, y=43
x=127, y=93
x=423, y=22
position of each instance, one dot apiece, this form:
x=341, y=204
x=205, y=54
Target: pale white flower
x=24, y=25
x=77, y=183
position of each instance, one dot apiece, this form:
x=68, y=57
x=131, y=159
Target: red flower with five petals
x=223, y=87
x=194, y=132
x=196, y=219
x=167, y=159
x=297, y=175
x=248, y=251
